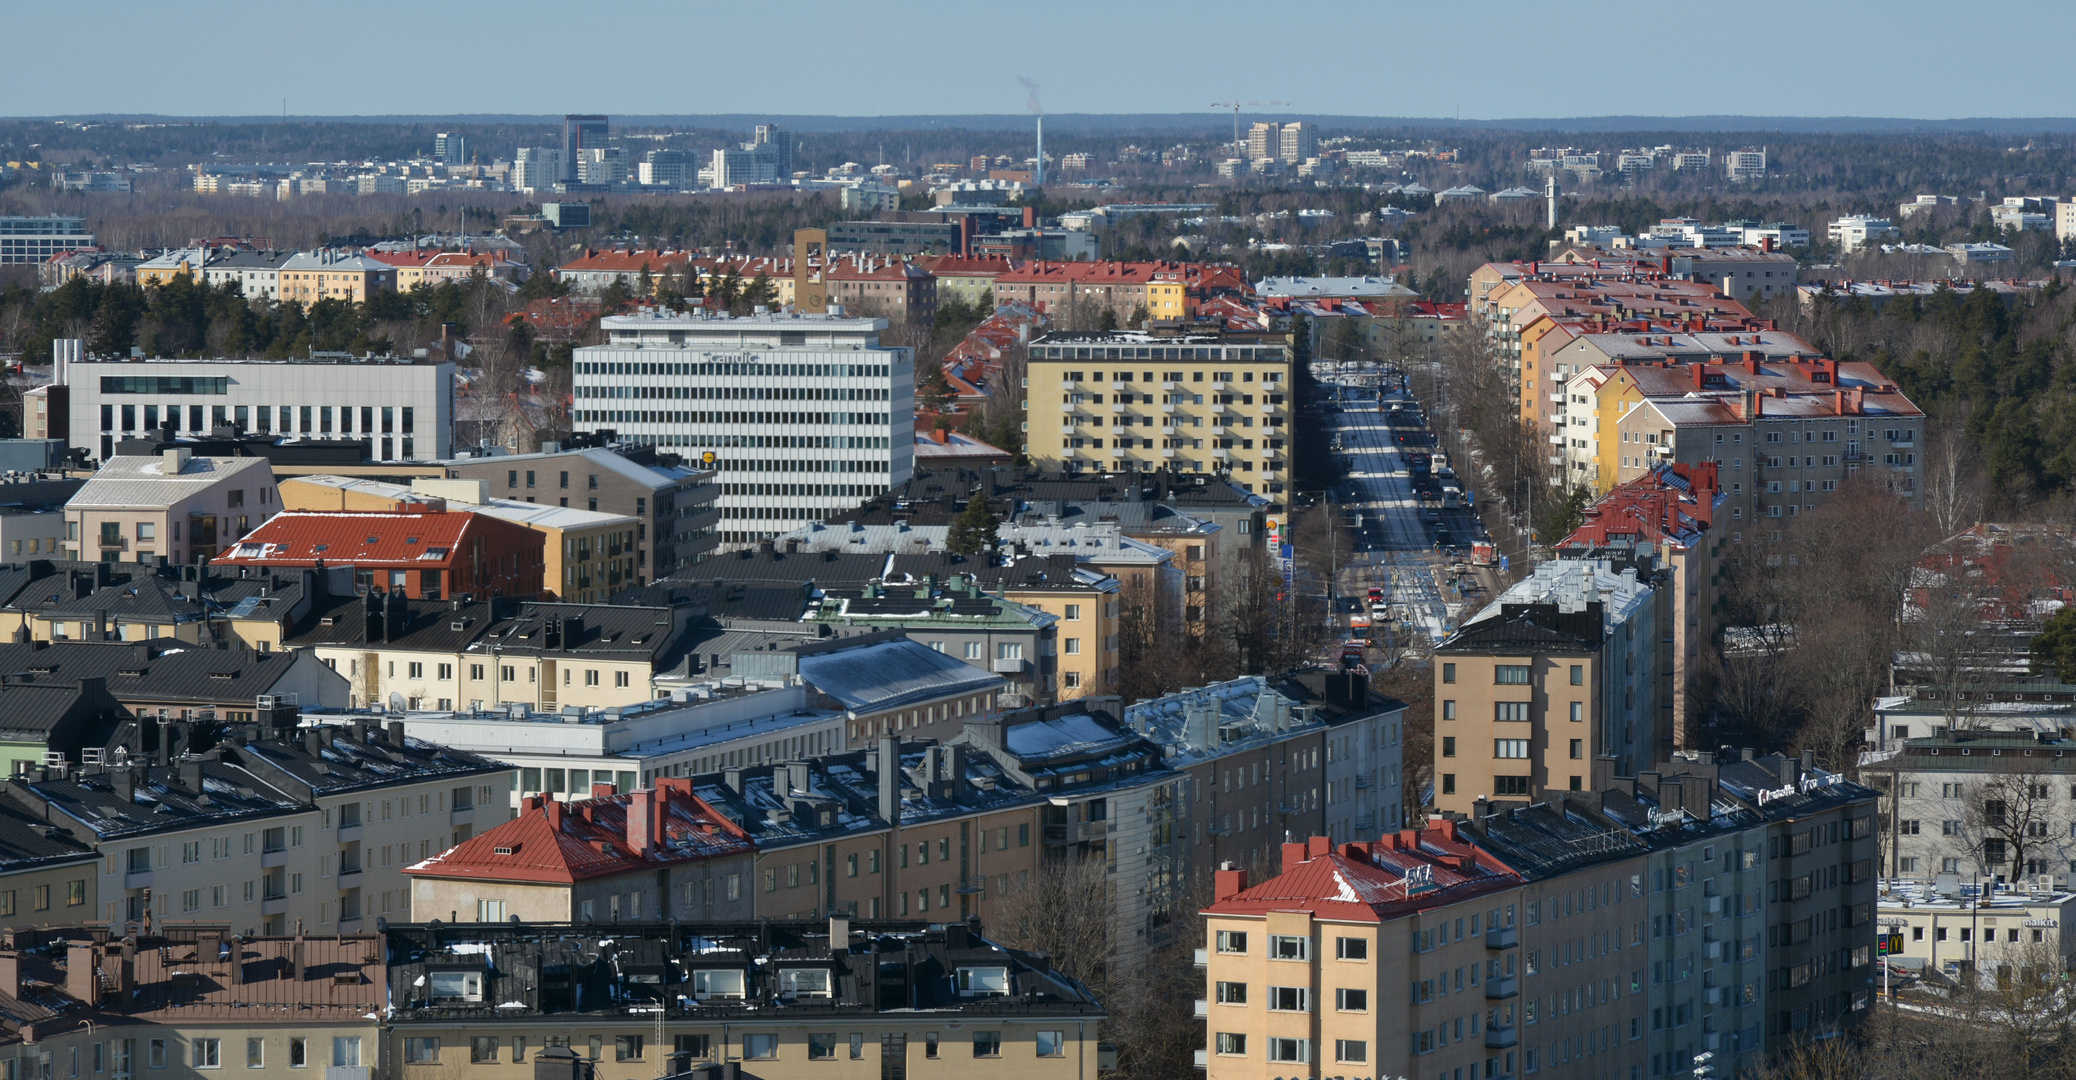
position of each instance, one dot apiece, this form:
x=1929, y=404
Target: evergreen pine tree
x=975, y=531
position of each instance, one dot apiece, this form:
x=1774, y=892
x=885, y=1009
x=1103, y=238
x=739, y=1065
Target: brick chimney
x=552, y=806
x=1318, y=846
x=1230, y=882
x=641, y=818
x=1700, y=375
x=11, y=973
x=1293, y=854
x=1751, y=360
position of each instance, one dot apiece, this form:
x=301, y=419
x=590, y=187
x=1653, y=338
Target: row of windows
x=316, y=419
x=1296, y=1051
x=1516, y=674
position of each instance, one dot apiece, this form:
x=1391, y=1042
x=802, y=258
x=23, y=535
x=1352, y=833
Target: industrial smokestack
x=1038, y=174
x=1550, y=197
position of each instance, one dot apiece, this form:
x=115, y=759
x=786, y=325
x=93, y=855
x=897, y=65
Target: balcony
x=350, y=833
x=1662, y=450
x=1169, y=385
x=1556, y=459
x=1117, y=407
x=1502, y=937
x=1007, y=665
x=1068, y=451
x=1119, y=385
x=1501, y=1037
x=1168, y=429
x=1167, y=408
x=1556, y=440
x=1068, y=429
x=1202, y=957
x=137, y=879
x=1117, y=451
x=1222, y=454
x=462, y=815
x=1217, y=407
x=1502, y=989
x=1203, y=1009
x=1268, y=408
x=1557, y=399
x=1203, y=1059
x=1168, y=452
x=1217, y=385
x=274, y=904
x=350, y=879
x=273, y=857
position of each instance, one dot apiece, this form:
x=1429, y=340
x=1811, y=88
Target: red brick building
x=430, y=554
x=889, y=288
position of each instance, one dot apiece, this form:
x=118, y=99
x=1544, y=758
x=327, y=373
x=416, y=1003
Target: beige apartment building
x=1561, y=679
x=1423, y=954
x=174, y=504
x=1128, y=401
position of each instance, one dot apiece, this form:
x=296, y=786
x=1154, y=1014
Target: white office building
x=536, y=168
x=403, y=408
x=1858, y=230
x=36, y=239
x=804, y=414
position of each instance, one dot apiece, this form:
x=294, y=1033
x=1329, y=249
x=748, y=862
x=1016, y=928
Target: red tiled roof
x=361, y=538
x=1670, y=504
x=857, y=268
x=966, y=265
x=625, y=262
x=1369, y=881
x=558, y=842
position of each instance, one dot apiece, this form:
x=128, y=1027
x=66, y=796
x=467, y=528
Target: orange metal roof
x=558, y=842
x=362, y=538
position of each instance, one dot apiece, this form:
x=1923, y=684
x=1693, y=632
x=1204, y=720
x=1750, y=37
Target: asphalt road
x=1395, y=538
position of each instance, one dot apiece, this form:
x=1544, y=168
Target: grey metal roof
x=160, y=670
x=890, y=674
x=130, y=483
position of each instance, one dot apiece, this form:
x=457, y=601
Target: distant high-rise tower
x=1264, y=141
x=1299, y=141
x=448, y=149
x=780, y=141
x=580, y=133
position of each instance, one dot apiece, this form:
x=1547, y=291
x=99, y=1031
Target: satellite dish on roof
x=396, y=702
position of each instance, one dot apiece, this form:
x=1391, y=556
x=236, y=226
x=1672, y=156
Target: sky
x=1484, y=60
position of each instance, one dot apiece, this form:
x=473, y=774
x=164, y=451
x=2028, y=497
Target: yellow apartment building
x=1129, y=401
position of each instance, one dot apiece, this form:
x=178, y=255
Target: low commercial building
x=735, y=724
x=1960, y=934
x=403, y=409
x=867, y=998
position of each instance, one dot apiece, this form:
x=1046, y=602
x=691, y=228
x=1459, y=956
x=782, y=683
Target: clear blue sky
x=1486, y=59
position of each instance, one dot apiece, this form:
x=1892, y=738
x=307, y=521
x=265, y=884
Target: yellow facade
x=148, y=275
x=1130, y=402
x=450, y=680
x=1087, y=637
x=1167, y=300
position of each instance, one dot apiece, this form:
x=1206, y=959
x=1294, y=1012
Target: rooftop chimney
x=641, y=821
x=1230, y=882
x=82, y=975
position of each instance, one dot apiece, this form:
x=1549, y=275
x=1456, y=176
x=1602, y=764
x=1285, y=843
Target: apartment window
x=483, y=1050
x=1232, y=1043
x=1347, y=999
x=1051, y=1043
x=1448, y=746
x=255, y=1053
x=1448, y=673
x=1289, y=947
x=346, y=1051
x=206, y=1053
x=1513, y=712
x=986, y=1044
x=423, y=1050
x=1510, y=674
x=1354, y=1051
x=1293, y=1050
x=1578, y=712
x=1510, y=748
x=1232, y=941
x=1351, y=948
x=627, y=1047
x=1232, y=993
x=1578, y=674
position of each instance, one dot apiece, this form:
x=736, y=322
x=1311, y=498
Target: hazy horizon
x=1543, y=60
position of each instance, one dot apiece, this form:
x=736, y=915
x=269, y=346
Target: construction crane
x=1236, y=106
